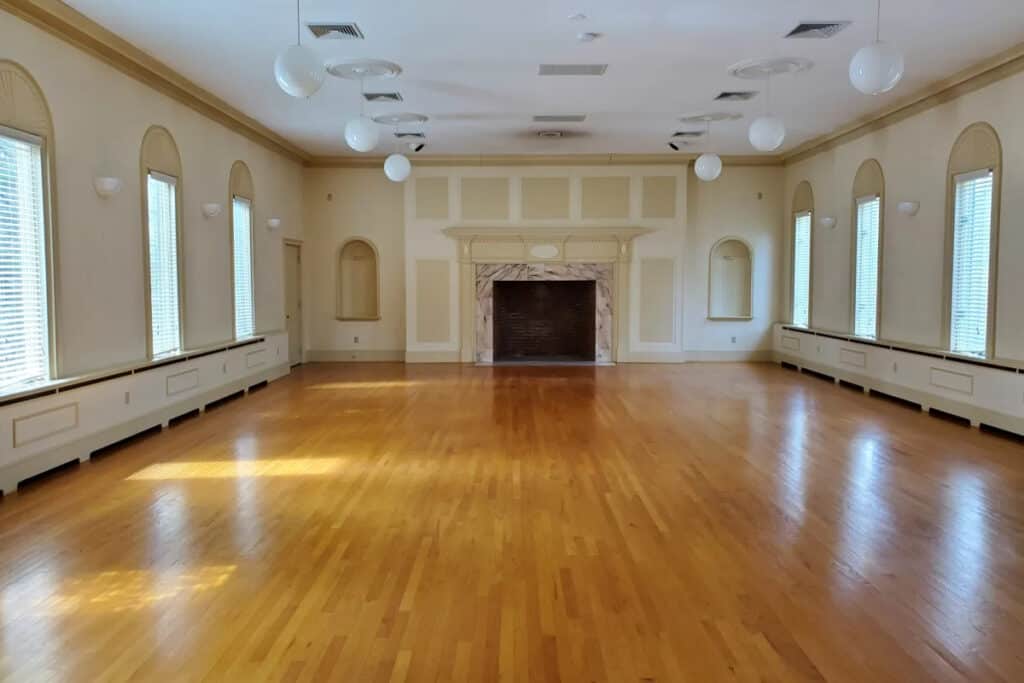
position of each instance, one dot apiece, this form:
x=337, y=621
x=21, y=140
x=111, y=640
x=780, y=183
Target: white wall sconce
x=106, y=186
x=828, y=222
x=273, y=223
x=211, y=209
x=909, y=208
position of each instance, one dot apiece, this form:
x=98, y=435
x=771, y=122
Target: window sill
x=730, y=318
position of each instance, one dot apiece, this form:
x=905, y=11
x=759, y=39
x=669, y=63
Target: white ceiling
x=471, y=65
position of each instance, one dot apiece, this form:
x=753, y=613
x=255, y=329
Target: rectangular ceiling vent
x=560, y=118
x=336, y=31
x=572, y=69
x=736, y=95
x=687, y=134
x=411, y=136
x=382, y=96
x=817, y=29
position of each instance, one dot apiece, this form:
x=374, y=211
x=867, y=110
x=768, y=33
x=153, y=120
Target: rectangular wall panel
x=606, y=197
x=46, y=423
x=858, y=359
x=254, y=359
x=432, y=198
x=954, y=381
x=659, y=197
x=545, y=198
x=657, y=300
x=433, y=308
x=485, y=199
x=182, y=381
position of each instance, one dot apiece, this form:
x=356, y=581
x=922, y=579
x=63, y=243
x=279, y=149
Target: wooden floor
x=379, y=522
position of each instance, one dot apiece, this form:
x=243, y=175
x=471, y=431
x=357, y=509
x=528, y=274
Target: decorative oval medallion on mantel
x=546, y=251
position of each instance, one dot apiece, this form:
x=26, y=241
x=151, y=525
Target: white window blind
x=24, y=325
x=245, y=323
x=972, y=241
x=163, y=265
x=802, y=270
x=865, y=306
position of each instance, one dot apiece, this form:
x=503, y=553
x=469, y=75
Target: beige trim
x=424, y=161
x=12, y=116
x=978, y=162
x=337, y=279
x=356, y=355
x=432, y=357
x=992, y=70
x=547, y=234
x=76, y=29
x=150, y=160
x=868, y=181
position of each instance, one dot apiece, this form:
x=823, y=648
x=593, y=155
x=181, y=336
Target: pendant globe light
x=397, y=168
x=767, y=132
x=361, y=134
x=878, y=67
x=708, y=165
x=298, y=69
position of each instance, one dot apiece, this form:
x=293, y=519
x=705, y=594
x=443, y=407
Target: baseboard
x=749, y=356
x=975, y=414
x=354, y=355
x=81, y=449
x=651, y=357
x=432, y=357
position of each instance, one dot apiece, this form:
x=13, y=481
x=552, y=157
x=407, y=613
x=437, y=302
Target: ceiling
x=471, y=66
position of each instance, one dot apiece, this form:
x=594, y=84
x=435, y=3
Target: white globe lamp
x=876, y=68
x=361, y=135
x=708, y=167
x=767, y=133
x=397, y=168
x=299, y=71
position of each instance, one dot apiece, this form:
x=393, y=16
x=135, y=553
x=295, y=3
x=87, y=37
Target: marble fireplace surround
x=488, y=254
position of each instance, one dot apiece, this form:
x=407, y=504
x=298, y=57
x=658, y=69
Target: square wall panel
x=485, y=199
x=432, y=198
x=659, y=197
x=606, y=197
x=545, y=198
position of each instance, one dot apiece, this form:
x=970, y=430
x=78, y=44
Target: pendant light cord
x=298, y=22
x=878, y=21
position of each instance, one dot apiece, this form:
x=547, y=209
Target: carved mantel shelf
x=539, y=244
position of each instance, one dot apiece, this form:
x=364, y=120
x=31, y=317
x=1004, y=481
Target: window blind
x=163, y=265
x=802, y=270
x=24, y=324
x=865, y=307
x=245, y=323
x=972, y=241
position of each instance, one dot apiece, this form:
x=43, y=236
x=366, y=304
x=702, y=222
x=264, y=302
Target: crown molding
x=76, y=29
x=988, y=71
x=376, y=161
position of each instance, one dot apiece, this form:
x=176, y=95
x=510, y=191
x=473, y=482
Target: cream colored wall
x=100, y=117
x=745, y=202
x=914, y=154
x=363, y=204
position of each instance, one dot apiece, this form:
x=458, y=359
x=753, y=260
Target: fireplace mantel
x=540, y=244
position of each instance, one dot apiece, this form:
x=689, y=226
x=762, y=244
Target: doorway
x=293, y=300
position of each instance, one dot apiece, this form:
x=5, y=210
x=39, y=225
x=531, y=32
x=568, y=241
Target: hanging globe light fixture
x=361, y=134
x=299, y=71
x=767, y=132
x=876, y=68
x=397, y=168
x=708, y=165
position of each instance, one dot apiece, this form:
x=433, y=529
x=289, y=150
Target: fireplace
x=544, y=320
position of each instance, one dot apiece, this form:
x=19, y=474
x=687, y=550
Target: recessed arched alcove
x=358, y=281
x=730, y=279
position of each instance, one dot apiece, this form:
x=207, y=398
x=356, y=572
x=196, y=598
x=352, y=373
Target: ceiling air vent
x=817, y=29
x=560, y=118
x=336, y=31
x=382, y=96
x=736, y=95
x=687, y=134
x=572, y=69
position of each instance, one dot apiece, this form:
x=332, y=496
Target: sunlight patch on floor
x=238, y=469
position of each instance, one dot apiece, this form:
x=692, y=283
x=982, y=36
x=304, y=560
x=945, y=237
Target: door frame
x=289, y=242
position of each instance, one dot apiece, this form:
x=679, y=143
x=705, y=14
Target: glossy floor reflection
x=383, y=522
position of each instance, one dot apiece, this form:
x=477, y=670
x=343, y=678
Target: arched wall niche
x=159, y=154
x=868, y=182
x=25, y=111
x=358, y=280
x=977, y=148
x=730, y=280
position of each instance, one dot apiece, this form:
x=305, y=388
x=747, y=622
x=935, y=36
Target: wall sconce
x=273, y=223
x=211, y=209
x=106, y=186
x=909, y=208
x=828, y=222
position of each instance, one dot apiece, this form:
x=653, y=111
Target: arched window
x=973, y=186
x=803, y=240
x=161, y=220
x=26, y=231
x=729, y=286
x=868, y=232
x=243, y=195
x=358, y=281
